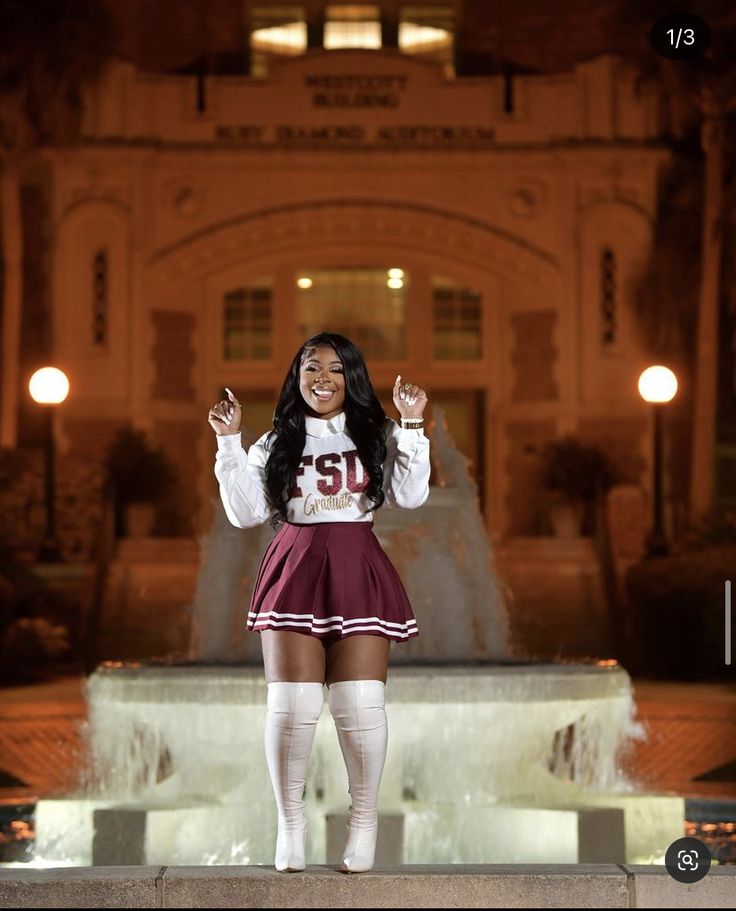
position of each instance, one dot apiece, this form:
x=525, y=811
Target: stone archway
x=446, y=237
x=407, y=226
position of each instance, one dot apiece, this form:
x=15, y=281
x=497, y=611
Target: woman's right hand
x=224, y=417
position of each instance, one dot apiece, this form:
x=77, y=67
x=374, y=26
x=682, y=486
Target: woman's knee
x=292, y=657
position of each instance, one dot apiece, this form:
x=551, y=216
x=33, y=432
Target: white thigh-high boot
x=292, y=712
x=359, y=711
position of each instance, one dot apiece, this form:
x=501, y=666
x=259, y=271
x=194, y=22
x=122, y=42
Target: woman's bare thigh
x=357, y=658
x=292, y=657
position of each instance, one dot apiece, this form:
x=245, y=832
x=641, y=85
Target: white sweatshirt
x=330, y=477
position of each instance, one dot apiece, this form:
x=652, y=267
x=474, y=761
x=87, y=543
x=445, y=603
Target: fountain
x=491, y=758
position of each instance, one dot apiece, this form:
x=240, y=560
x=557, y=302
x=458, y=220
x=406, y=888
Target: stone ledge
x=409, y=886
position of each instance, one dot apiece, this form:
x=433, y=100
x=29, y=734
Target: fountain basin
x=481, y=760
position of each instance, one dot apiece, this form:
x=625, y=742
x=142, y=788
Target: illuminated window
x=365, y=304
x=427, y=32
x=248, y=322
x=279, y=31
x=352, y=26
x=457, y=324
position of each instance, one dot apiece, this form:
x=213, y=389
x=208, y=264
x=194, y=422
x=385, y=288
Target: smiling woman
x=327, y=598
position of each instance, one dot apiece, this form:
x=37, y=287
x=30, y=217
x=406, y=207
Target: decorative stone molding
x=91, y=184
x=404, y=225
x=534, y=356
x=525, y=440
x=182, y=196
x=173, y=354
x=527, y=198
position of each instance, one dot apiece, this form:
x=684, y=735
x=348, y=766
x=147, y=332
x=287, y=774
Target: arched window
x=100, y=281
x=609, y=316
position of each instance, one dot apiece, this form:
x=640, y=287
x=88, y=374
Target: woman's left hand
x=410, y=402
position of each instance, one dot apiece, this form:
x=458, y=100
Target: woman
x=327, y=601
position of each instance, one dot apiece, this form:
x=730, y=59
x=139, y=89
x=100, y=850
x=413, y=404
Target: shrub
x=35, y=620
x=718, y=527
x=678, y=607
x=138, y=472
x=577, y=471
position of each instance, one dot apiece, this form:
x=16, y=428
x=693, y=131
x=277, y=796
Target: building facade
x=477, y=237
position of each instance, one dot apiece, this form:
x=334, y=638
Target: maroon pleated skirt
x=331, y=580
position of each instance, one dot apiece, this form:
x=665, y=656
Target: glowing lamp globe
x=49, y=386
x=657, y=384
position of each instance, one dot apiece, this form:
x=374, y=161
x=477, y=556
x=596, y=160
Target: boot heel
x=291, y=849
x=360, y=850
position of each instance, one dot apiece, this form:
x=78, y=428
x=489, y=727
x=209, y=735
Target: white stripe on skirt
x=326, y=624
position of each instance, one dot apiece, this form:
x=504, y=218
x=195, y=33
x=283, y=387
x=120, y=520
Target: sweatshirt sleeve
x=407, y=468
x=242, y=482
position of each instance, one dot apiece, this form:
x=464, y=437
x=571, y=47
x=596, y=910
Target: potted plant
x=576, y=475
x=140, y=476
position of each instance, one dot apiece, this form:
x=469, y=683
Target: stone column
x=315, y=29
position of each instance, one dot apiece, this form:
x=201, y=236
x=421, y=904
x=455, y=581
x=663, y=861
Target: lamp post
x=49, y=386
x=657, y=385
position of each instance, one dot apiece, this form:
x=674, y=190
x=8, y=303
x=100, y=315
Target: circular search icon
x=687, y=860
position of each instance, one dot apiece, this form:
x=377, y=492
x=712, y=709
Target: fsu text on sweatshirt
x=330, y=477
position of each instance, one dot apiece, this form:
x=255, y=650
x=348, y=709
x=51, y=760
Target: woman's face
x=321, y=369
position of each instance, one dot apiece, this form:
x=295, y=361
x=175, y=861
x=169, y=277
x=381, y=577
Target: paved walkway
x=41, y=738
x=691, y=743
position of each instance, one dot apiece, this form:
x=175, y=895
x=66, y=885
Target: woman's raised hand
x=225, y=416
x=411, y=401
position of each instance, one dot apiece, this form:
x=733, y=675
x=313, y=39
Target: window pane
x=457, y=321
x=278, y=31
x=428, y=32
x=247, y=322
x=357, y=302
x=356, y=25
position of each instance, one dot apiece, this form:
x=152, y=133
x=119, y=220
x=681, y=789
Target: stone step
x=408, y=886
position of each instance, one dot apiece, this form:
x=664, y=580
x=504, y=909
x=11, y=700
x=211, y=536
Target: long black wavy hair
x=365, y=421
